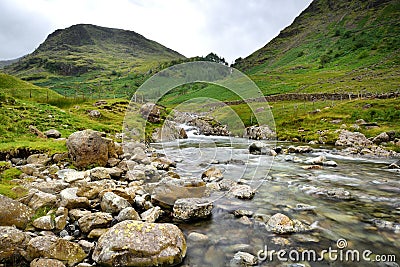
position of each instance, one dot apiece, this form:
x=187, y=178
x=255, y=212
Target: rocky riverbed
x=200, y=201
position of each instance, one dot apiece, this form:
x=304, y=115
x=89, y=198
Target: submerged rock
x=243, y=259
x=134, y=243
x=282, y=224
x=213, y=174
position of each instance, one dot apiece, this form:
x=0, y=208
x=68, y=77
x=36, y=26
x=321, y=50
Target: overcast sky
x=230, y=28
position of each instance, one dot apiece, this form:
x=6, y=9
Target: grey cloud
x=20, y=30
x=238, y=28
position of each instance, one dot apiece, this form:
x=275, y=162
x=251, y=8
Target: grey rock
x=151, y=112
x=197, y=237
x=52, y=133
x=113, y=203
x=168, y=132
x=192, y=208
x=14, y=213
x=381, y=138
x=70, y=200
x=51, y=187
x=99, y=173
x=262, y=132
x=151, y=215
x=86, y=245
x=282, y=224
x=13, y=242
x=52, y=247
x=94, y=220
x=37, y=199
x=299, y=149
x=76, y=214
x=213, y=174
x=242, y=191
x=128, y=213
x=260, y=148
x=42, y=159
x=352, y=139
x=243, y=259
x=46, y=263
x=134, y=243
x=87, y=147
x=95, y=114
x=44, y=223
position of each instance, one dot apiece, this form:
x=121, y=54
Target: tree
x=215, y=58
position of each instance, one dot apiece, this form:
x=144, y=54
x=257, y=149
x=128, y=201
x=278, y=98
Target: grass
x=308, y=121
x=7, y=186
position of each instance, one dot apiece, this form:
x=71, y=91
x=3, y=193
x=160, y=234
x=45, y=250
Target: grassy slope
x=341, y=46
x=19, y=110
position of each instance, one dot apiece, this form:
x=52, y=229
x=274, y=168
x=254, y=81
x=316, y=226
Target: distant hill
x=83, y=57
x=332, y=46
x=4, y=63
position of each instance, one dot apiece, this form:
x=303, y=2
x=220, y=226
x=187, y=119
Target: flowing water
x=281, y=186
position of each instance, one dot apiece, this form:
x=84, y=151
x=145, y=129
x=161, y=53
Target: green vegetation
x=354, y=50
x=7, y=174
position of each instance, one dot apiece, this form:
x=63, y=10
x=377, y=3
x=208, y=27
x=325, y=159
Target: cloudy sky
x=231, y=28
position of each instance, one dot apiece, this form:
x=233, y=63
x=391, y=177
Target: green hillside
x=333, y=46
x=88, y=59
x=18, y=88
x=23, y=104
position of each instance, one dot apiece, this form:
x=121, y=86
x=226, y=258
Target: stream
x=368, y=223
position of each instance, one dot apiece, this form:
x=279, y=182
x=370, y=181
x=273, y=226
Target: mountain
x=82, y=48
x=83, y=57
x=332, y=46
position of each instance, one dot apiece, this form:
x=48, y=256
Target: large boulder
x=13, y=212
x=192, y=208
x=260, y=148
x=87, y=148
x=52, y=247
x=13, y=242
x=135, y=243
x=354, y=139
